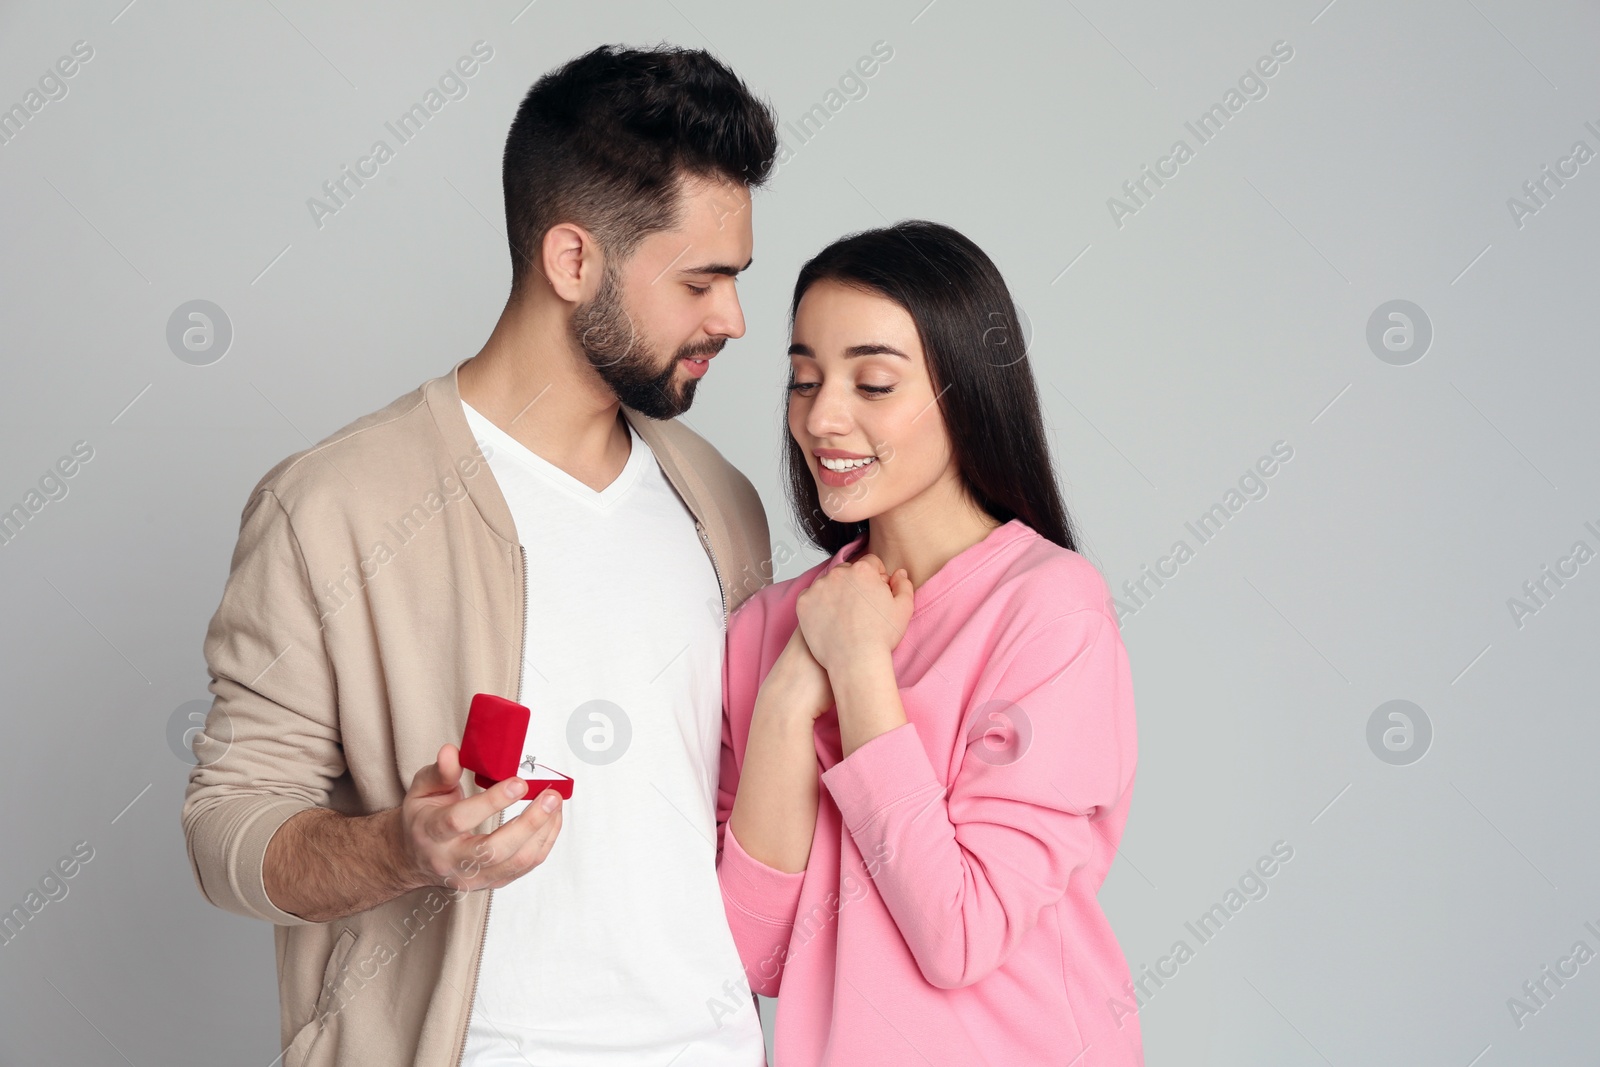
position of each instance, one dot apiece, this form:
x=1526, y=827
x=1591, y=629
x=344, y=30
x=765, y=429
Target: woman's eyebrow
x=853, y=351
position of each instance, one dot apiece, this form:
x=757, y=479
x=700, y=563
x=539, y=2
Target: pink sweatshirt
x=947, y=913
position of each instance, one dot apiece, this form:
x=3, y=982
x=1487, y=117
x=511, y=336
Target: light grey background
x=1228, y=313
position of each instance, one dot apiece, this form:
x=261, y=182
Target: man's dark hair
x=603, y=141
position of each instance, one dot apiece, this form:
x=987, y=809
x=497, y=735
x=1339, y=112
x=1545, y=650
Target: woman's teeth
x=844, y=464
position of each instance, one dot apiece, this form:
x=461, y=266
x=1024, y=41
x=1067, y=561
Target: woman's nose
x=830, y=413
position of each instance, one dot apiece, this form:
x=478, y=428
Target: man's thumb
x=443, y=775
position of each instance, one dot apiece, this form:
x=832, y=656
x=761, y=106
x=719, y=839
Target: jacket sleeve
x=1047, y=742
x=270, y=746
x=760, y=901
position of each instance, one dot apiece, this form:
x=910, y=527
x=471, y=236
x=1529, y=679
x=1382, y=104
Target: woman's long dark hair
x=982, y=380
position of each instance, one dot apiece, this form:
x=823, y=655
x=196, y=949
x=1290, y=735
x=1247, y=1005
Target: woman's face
x=860, y=388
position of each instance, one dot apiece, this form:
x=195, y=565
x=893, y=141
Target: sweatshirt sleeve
x=270, y=746
x=1047, y=742
x=760, y=901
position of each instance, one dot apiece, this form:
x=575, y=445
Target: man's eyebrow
x=852, y=352
x=717, y=268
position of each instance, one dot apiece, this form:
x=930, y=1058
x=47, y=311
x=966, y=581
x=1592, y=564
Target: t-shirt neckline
x=638, y=455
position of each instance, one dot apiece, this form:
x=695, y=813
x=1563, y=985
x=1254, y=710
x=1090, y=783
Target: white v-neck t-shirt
x=616, y=949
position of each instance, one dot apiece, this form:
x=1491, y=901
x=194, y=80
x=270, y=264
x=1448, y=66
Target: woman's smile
x=841, y=472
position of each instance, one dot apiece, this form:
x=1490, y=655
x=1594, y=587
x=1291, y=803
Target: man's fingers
x=512, y=849
x=508, y=852
x=462, y=816
x=537, y=847
x=513, y=834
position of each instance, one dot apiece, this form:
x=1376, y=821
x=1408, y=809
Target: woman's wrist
x=788, y=704
x=865, y=670
x=796, y=684
x=869, y=699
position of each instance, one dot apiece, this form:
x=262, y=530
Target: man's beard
x=602, y=328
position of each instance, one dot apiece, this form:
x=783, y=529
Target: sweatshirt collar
x=959, y=567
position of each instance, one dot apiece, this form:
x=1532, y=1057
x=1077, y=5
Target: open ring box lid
x=491, y=746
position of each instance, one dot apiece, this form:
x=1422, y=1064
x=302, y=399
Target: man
x=587, y=569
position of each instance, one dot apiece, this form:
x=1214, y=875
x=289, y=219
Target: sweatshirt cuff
x=759, y=891
x=242, y=853
x=885, y=771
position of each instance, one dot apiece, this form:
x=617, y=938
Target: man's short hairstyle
x=604, y=140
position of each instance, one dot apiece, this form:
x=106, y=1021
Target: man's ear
x=572, y=262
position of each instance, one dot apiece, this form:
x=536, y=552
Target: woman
x=929, y=737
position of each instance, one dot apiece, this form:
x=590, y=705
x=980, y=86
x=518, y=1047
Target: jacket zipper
x=706, y=541
x=500, y=816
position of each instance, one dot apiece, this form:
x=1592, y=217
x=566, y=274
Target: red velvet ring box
x=491, y=747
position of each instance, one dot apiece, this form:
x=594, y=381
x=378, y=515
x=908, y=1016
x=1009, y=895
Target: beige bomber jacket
x=377, y=584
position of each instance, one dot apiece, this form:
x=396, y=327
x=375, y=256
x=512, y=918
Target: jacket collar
x=443, y=395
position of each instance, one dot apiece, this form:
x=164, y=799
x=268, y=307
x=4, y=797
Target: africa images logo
x=342, y=188
x=1252, y=85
